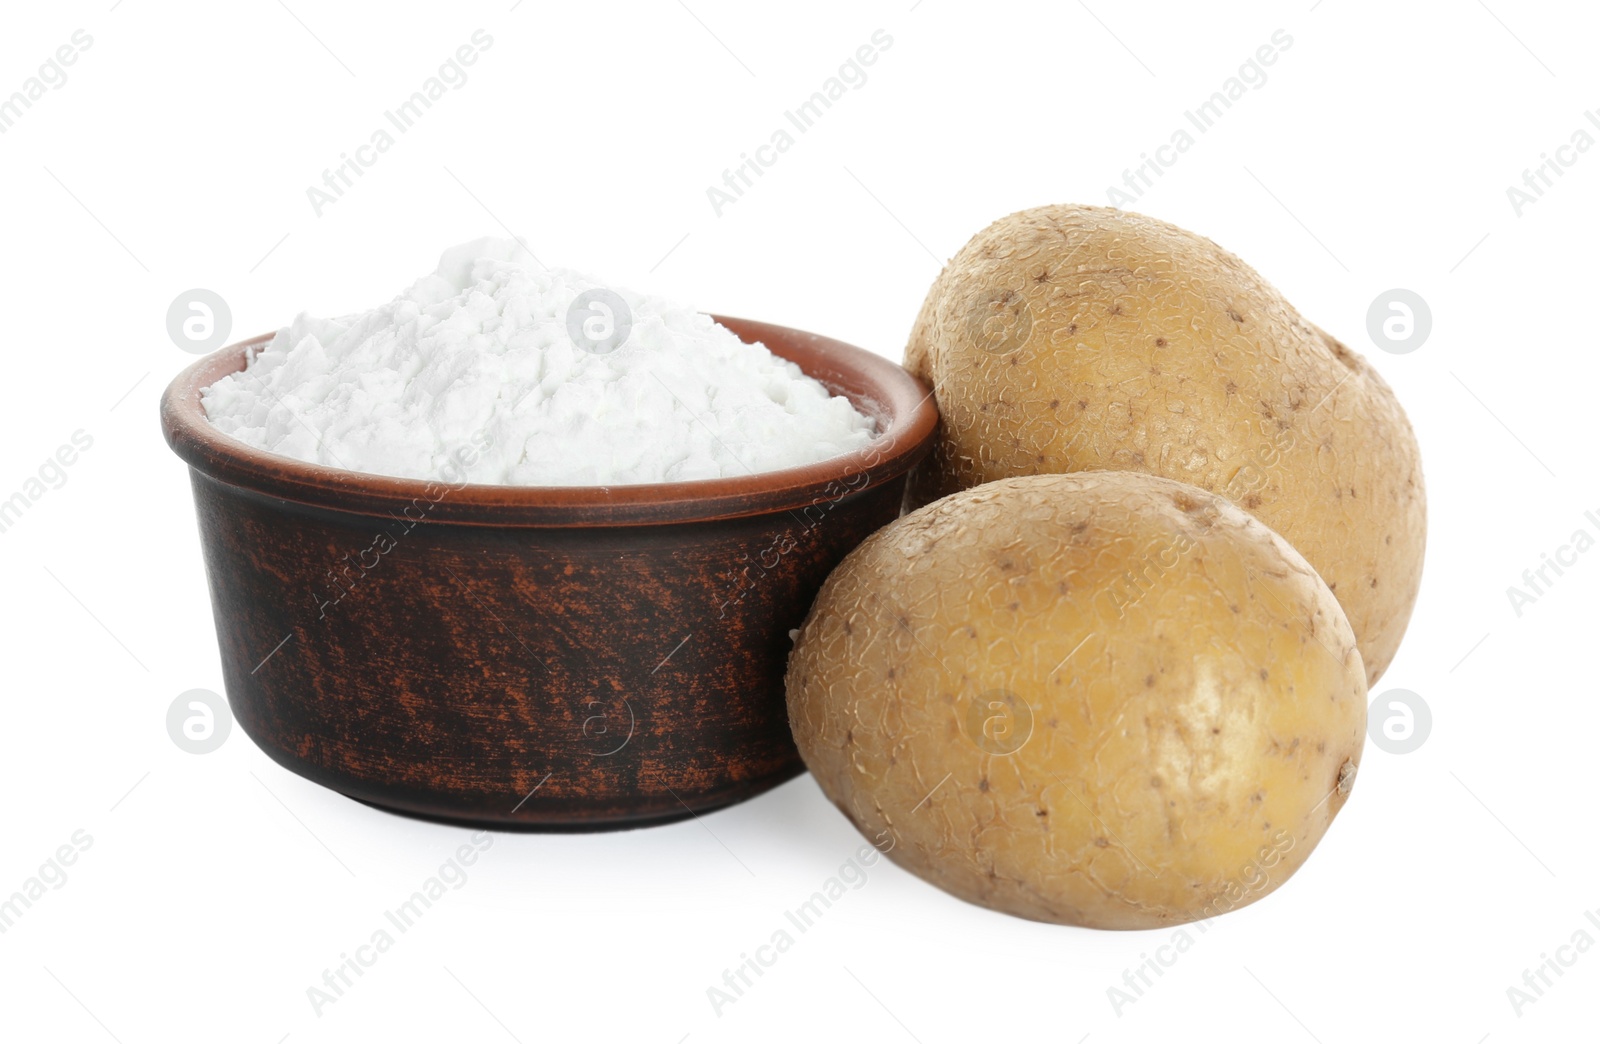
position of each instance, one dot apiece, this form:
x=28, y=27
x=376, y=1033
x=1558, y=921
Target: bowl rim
x=901, y=404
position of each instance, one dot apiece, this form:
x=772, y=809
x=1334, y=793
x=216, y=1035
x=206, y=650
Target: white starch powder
x=478, y=355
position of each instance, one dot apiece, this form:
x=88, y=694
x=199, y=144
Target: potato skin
x=1075, y=338
x=1102, y=699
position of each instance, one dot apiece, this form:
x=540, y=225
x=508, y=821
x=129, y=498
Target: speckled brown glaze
x=537, y=657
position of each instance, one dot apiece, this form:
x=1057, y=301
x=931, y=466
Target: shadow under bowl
x=553, y=657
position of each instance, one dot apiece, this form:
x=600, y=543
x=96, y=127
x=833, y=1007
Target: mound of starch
x=471, y=375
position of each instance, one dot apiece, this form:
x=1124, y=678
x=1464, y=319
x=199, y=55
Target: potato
x=1072, y=338
x=1103, y=699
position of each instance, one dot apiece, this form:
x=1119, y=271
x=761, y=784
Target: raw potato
x=1073, y=338
x=1103, y=699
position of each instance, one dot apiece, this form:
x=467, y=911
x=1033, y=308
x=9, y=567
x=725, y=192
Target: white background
x=219, y=887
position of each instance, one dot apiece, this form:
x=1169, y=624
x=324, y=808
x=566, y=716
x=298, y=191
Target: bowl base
x=591, y=826
x=501, y=826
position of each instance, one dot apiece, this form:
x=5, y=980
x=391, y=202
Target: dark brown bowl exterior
x=532, y=657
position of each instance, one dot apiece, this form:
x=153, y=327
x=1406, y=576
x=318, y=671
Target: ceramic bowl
x=534, y=657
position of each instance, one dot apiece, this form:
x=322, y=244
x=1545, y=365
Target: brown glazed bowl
x=535, y=657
